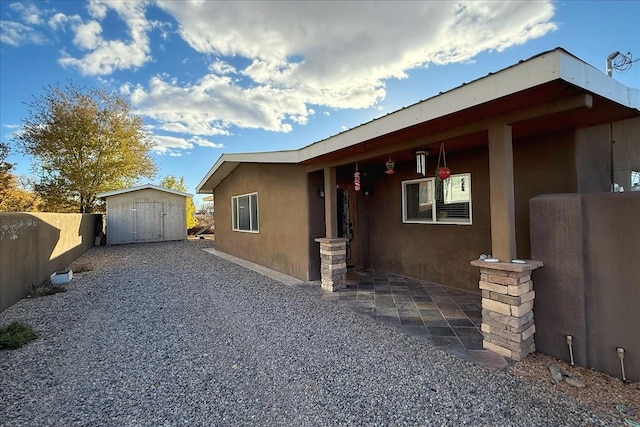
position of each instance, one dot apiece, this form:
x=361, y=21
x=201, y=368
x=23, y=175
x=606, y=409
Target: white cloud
x=29, y=13
x=88, y=35
x=329, y=54
x=172, y=146
x=221, y=67
x=57, y=21
x=17, y=34
x=26, y=22
x=107, y=56
x=273, y=64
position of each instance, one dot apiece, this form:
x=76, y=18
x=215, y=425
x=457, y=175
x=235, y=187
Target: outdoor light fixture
x=620, y=352
x=421, y=161
x=570, y=344
x=356, y=179
x=390, y=165
x=321, y=192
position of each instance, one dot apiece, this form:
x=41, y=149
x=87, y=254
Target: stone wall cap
x=508, y=266
x=330, y=240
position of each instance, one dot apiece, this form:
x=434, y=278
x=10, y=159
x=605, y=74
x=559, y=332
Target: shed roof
x=141, y=187
x=552, y=75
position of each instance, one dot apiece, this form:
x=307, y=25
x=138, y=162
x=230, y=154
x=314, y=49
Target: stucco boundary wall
x=34, y=245
x=589, y=287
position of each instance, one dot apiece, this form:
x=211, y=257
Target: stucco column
x=503, y=222
x=330, y=203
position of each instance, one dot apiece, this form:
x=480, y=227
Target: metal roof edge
x=141, y=187
x=545, y=67
x=283, y=156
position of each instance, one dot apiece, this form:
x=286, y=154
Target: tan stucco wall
x=441, y=253
x=589, y=286
x=34, y=245
x=541, y=165
x=288, y=203
x=593, y=155
x=433, y=252
x=120, y=217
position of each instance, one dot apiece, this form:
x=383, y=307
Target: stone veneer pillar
x=333, y=263
x=507, y=307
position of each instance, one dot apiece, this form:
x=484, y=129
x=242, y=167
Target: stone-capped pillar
x=333, y=263
x=507, y=307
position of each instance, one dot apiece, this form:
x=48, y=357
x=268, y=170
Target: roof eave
x=546, y=67
x=141, y=187
x=227, y=162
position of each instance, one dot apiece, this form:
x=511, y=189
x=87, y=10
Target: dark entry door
x=346, y=222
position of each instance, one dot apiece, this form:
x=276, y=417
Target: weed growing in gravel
x=81, y=268
x=16, y=335
x=46, y=288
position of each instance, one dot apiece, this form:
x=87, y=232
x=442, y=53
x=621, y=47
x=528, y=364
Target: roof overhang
x=554, y=85
x=141, y=187
x=228, y=162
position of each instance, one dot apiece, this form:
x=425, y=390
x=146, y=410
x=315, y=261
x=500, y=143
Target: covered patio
x=443, y=316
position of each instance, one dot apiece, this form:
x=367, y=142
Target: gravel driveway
x=167, y=334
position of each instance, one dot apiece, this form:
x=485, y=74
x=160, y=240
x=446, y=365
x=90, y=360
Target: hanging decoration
x=390, y=165
x=356, y=179
x=421, y=161
x=442, y=172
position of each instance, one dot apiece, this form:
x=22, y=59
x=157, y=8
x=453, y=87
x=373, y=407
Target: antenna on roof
x=619, y=62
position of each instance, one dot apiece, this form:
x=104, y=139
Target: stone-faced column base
x=333, y=263
x=507, y=307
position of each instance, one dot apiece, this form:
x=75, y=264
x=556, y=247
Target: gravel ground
x=167, y=334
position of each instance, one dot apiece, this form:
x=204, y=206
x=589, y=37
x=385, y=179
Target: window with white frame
x=244, y=212
x=435, y=201
x=635, y=180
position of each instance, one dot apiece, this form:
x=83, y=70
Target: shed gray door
x=148, y=221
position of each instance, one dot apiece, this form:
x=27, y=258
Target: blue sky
x=213, y=77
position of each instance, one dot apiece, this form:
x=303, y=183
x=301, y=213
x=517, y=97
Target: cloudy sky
x=211, y=77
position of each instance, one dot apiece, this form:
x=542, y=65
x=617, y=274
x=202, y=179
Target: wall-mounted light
x=321, y=192
x=421, y=161
x=390, y=165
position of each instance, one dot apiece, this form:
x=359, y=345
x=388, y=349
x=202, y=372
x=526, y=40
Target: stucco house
x=552, y=124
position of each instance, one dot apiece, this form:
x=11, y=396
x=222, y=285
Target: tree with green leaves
x=177, y=184
x=84, y=142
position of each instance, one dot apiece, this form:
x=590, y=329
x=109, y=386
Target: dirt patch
x=602, y=392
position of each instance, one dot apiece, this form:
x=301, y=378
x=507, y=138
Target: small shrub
x=45, y=289
x=16, y=335
x=81, y=268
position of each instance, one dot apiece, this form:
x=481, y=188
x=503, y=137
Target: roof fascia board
x=141, y=187
x=584, y=100
x=557, y=64
x=539, y=70
x=234, y=159
x=590, y=78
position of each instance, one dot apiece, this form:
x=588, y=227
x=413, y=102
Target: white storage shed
x=146, y=213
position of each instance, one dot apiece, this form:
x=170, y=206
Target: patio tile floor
x=446, y=317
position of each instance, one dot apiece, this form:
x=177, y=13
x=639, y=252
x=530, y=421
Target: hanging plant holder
x=390, y=165
x=442, y=172
x=356, y=179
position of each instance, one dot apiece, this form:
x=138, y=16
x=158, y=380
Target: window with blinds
x=434, y=201
x=244, y=212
